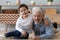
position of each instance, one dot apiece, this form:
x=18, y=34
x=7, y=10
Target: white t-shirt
x=24, y=24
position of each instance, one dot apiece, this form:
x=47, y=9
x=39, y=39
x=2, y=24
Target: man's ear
x=43, y=15
x=43, y=19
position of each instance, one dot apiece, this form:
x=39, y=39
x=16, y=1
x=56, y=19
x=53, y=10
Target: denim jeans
x=16, y=34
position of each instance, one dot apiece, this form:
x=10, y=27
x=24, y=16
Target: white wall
x=28, y=1
x=2, y=2
x=40, y=1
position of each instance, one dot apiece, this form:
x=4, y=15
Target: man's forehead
x=38, y=14
x=37, y=9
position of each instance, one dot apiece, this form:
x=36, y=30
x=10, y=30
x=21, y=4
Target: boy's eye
x=24, y=9
x=21, y=11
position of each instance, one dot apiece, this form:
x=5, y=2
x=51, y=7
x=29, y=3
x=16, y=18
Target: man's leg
x=55, y=25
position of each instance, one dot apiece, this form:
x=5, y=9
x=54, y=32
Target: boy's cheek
x=20, y=13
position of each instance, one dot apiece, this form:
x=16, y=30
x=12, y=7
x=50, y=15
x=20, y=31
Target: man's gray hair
x=38, y=9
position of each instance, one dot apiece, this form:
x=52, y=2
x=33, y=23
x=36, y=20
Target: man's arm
x=49, y=32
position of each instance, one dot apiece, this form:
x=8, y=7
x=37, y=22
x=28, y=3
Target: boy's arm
x=17, y=27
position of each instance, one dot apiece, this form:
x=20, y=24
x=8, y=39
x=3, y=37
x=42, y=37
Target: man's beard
x=37, y=22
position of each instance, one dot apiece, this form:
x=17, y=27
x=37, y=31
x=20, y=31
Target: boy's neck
x=24, y=17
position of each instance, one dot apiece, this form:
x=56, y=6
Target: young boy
x=23, y=24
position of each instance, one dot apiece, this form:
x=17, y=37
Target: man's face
x=23, y=11
x=37, y=17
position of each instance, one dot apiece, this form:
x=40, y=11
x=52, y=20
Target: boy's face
x=23, y=11
x=37, y=17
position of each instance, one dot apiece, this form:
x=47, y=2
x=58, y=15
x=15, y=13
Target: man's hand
x=35, y=38
x=24, y=33
x=46, y=22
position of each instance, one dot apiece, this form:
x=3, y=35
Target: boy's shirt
x=24, y=24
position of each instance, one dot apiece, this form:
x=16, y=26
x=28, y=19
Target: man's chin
x=36, y=22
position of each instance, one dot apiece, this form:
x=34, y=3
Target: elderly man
x=39, y=27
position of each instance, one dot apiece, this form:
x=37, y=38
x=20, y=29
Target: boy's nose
x=23, y=12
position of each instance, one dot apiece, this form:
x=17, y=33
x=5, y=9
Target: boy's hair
x=23, y=5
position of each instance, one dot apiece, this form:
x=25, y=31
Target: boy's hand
x=24, y=33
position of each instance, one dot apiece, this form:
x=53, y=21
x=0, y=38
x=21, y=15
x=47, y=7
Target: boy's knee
x=25, y=37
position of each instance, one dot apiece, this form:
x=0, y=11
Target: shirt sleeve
x=49, y=32
x=17, y=27
x=48, y=19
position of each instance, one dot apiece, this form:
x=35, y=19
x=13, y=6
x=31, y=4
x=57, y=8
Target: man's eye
x=35, y=16
x=38, y=16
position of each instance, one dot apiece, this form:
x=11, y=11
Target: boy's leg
x=17, y=35
x=25, y=37
x=22, y=37
x=13, y=33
